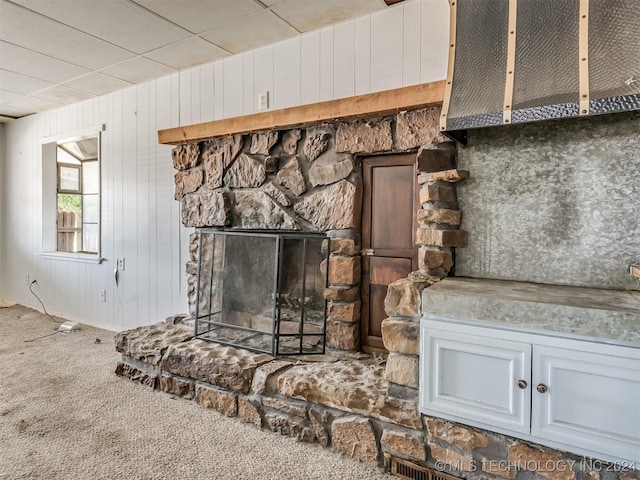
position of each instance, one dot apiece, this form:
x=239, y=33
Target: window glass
x=90, y=236
x=90, y=177
x=90, y=208
x=69, y=180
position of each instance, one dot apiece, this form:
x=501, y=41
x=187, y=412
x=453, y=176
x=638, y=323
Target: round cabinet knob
x=542, y=388
x=522, y=384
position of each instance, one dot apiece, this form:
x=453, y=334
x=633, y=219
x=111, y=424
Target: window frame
x=49, y=174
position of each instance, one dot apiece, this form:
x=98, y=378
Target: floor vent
x=412, y=471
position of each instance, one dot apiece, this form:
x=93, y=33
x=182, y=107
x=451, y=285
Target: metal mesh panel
x=615, y=104
x=614, y=55
x=545, y=112
x=546, y=71
x=480, y=61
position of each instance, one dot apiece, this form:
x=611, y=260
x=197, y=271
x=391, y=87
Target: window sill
x=73, y=257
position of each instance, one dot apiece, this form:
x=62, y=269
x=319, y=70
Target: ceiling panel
x=193, y=51
x=97, y=83
x=69, y=50
x=6, y=96
x=305, y=15
x=250, y=32
x=54, y=39
x=138, y=70
x=33, y=64
x=63, y=95
x=18, y=83
x=27, y=105
x=118, y=22
x=200, y=15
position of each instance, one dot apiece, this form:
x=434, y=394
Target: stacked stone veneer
x=305, y=179
x=341, y=404
x=437, y=235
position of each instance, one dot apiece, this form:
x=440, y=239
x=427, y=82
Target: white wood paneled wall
x=399, y=46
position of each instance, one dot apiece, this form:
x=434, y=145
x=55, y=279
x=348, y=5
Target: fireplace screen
x=262, y=291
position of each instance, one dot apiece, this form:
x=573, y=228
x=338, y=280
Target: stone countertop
x=607, y=316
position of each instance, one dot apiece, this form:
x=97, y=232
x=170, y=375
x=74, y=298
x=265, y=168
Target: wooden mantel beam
x=361, y=106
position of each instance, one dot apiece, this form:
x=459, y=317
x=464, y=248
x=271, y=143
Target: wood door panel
x=388, y=228
x=377, y=315
x=392, y=204
x=383, y=271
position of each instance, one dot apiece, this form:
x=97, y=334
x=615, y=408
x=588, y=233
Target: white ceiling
x=56, y=52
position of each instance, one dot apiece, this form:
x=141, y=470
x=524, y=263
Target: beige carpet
x=65, y=415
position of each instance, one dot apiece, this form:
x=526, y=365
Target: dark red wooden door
x=388, y=229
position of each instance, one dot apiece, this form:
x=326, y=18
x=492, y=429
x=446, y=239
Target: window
x=78, y=196
x=71, y=196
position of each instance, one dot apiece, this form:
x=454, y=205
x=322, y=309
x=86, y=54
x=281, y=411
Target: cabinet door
x=474, y=379
x=592, y=400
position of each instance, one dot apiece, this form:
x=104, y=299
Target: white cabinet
x=579, y=396
x=591, y=399
x=472, y=376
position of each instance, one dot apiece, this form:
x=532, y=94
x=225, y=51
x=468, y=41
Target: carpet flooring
x=64, y=414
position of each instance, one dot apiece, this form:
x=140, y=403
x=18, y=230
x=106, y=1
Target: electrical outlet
x=121, y=264
x=263, y=101
x=26, y=279
x=103, y=295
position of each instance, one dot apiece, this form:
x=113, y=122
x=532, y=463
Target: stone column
x=401, y=334
x=439, y=217
x=343, y=308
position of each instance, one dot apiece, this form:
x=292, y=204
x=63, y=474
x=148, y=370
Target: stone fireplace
x=309, y=180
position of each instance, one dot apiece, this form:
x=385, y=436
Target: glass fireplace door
x=262, y=291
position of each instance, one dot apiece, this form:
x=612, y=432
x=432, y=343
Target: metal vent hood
x=515, y=61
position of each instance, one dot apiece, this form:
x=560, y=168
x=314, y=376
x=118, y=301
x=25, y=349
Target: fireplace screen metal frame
x=286, y=320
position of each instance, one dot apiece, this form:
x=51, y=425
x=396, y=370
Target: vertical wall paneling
x=310, y=67
x=434, y=53
x=143, y=165
x=233, y=86
x=344, y=60
x=196, y=97
x=411, y=43
x=286, y=73
x=263, y=72
x=218, y=89
x=185, y=97
x=108, y=209
x=249, y=94
x=326, y=64
x=363, y=56
x=207, y=95
x=174, y=207
x=119, y=150
x=166, y=207
x=151, y=231
x=129, y=280
x=386, y=48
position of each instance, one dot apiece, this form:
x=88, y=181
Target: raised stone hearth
x=340, y=401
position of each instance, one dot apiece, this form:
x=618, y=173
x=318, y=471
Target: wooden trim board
x=362, y=106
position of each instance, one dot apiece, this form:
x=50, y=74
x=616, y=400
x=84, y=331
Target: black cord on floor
x=45, y=310
x=43, y=336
